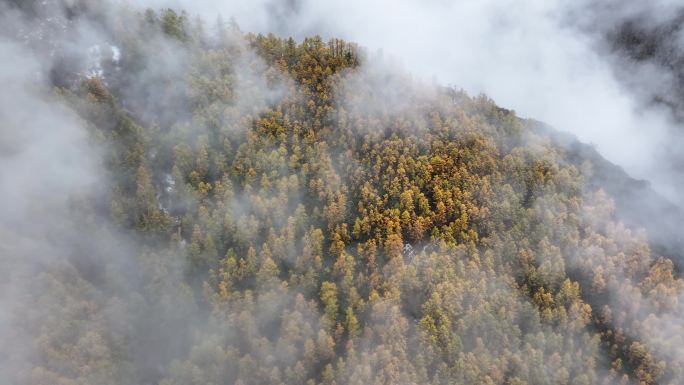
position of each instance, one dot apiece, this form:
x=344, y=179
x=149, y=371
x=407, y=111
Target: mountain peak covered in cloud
x=570, y=64
x=192, y=196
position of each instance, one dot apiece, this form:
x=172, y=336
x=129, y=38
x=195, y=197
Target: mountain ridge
x=239, y=208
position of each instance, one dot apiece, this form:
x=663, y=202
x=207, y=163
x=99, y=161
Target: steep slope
x=636, y=203
x=270, y=211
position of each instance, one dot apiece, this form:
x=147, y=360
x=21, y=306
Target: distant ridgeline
x=299, y=214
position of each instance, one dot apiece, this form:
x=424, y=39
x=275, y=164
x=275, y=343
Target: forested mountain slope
x=636, y=202
x=265, y=211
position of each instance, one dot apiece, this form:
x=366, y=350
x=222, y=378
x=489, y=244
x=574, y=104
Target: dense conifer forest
x=271, y=211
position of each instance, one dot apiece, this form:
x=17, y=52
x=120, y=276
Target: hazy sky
x=543, y=58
